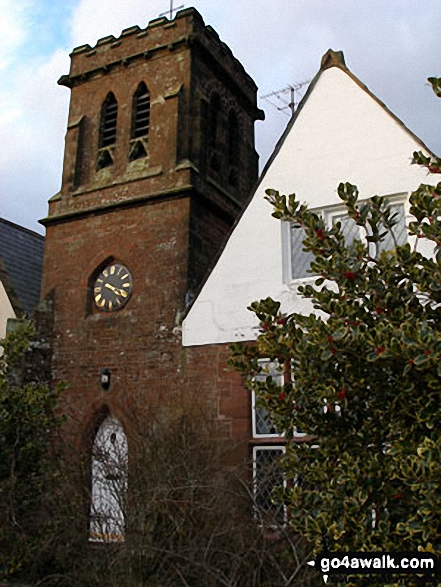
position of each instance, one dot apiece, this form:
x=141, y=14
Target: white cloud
x=392, y=47
x=32, y=125
x=13, y=28
x=94, y=19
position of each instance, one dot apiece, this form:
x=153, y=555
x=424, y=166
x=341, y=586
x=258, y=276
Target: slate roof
x=21, y=265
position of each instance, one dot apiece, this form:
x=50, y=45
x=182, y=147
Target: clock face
x=112, y=288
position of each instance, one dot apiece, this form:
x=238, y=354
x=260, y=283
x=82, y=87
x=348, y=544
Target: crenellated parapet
x=161, y=35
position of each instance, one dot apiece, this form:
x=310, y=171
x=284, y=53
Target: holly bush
x=362, y=376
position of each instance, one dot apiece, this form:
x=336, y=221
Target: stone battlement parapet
x=134, y=44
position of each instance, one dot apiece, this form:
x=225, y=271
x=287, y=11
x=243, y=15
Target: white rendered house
x=340, y=133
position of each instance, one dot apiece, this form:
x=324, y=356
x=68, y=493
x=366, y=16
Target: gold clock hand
x=109, y=286
x=117, y=290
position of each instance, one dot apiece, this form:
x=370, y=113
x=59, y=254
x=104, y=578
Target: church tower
x=159, y=159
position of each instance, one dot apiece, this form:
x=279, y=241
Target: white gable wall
x=341, y=134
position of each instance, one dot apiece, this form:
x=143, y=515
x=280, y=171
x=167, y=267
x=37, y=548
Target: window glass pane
x=267, y=476
x=300, y=259
x=263, y=426
x=109, y=483
x=351, y=231
x=349, y=227
x=399, y=230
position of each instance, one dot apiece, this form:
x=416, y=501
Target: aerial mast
x=290, y=89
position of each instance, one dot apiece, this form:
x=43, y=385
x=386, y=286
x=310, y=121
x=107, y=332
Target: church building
x=154, y=245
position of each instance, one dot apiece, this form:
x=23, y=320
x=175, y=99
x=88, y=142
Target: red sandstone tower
x=159, y=160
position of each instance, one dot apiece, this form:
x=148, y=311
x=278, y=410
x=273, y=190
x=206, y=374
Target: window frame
x=327, y=213
x=254, y=407
x=258, y=511
x=261, y=436
x=108, y=491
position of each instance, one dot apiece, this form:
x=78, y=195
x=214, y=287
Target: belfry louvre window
x=233, y=148
x=109, y=115
x=233, y=138
x=214, y=119
x=141, y=112
x=140, y=123
x=215, y=134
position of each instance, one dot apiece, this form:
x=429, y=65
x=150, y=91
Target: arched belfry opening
x=233, y=148
x=107, y=131
x=140, y=123
x=109, y=114
x=141, y=112
x=109, y=482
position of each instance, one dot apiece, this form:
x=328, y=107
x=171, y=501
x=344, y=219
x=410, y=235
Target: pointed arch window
x=140, y=123
x=214, y=133
x=214, y=119
x=107, y=136
x=109, y=483
x=141, y=112
x=109, y=116
x=233, y=138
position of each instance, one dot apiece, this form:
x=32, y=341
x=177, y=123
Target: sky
x=393, y=46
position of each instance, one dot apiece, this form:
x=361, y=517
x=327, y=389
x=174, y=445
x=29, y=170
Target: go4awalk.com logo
x=334, y=565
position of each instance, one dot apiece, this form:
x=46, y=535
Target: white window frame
x=254, y=408
x=327, y=213
x=330, y=216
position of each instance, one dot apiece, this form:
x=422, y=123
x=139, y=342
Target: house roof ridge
x=22, y=228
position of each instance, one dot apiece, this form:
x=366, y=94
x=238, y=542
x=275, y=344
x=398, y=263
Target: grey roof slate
x=21, y=265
